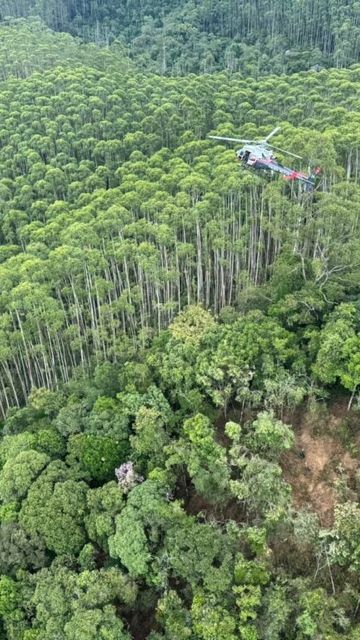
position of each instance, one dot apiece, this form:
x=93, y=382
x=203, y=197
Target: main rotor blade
x=230, y=139
x=272, y=133
x=283, y=151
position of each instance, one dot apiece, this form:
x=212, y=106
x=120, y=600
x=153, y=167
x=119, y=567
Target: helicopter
x=257, y=154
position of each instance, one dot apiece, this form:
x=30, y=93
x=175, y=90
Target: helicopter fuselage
x=261, y=158
x=255, y=151
x=258, y=154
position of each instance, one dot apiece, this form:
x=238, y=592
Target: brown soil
x=318, y=459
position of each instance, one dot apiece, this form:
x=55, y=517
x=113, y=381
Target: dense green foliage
x=116, y=212
x=85, y=557
x=182, y=36
x=163, y=314
x=28, y=46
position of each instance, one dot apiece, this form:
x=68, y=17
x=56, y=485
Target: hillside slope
x=172, y=327
x=117, y=211
x=181, y=36
x=27, y=46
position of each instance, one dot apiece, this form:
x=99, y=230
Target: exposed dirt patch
x=326, y=455
x=319, y=459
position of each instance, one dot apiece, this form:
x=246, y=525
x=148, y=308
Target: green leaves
x=344, y=540
x=270, y=437
x=129, y=544
x=19, y=473
x=338, y=356
x=150, y=438
x=103, y=504
x=201, y=555
x=259, y=484
x=103, y=232
x=191, y=325
x=9, y=597
x=19, y=550
x=54, y=510
x=174, y=616
x=204, y=458
x=237, y=359
x=262, y=489
x=161, y=289
x=81, y=605
x=97, y=455
x=140, y=528
x=94, y=624
x=211, y=621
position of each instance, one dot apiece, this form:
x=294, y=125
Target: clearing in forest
x=321, y=468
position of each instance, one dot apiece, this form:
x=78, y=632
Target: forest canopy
x=179, y=337
x=202, y=36
x=117, y=211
